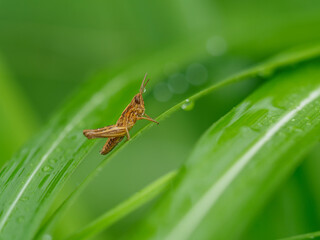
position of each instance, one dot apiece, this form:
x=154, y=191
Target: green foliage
x=314, y=235
x=270, y=66
x=125, y=208
x=237, y=147
x=13, y=107
x=60, y=148
x=244, y=156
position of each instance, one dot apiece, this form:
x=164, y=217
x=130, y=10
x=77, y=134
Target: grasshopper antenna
x=143, y=85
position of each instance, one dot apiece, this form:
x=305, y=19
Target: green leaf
x=241, y=160
x=124, y=208
x=17, y=119
x=272, y=65
x=32, y=178
x=283, y=214
x=264, y=69
x=314, y=235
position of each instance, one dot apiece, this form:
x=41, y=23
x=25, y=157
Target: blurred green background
x=49, y=48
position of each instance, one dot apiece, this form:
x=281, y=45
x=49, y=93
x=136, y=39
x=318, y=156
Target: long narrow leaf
x=124, y=208
x=272, y=65
x=241, y=160
x=31, y=180
x=314, y=235
x=17, y=118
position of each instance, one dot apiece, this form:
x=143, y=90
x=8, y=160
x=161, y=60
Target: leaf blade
x=201, y=202
x=124, y=208
x=31, y=180
x=270, y=65
x=313, y=235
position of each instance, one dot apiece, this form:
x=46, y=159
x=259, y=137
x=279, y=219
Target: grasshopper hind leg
x=106, y=132
x=110, y=144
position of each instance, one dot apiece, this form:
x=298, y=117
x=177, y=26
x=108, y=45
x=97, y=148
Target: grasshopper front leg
x=106, y=132
x=148, y=118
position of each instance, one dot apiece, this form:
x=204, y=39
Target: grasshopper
x=115, y=133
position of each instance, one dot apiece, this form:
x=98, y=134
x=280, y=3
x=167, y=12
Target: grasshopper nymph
x=115, y=133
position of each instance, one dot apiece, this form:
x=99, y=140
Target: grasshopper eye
x=137, y=100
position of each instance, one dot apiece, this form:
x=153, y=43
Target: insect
x=115, y=133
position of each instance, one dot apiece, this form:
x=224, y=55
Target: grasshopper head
x=137, y=100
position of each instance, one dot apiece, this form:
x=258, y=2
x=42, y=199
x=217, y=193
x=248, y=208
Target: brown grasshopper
x=115, y=133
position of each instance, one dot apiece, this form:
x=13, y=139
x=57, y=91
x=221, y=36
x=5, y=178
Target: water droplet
x=188, y=105
x=53, y=161
x=47, y=168
x=295, y=129
x=255, y=128
x=73, y=137
x=161, y=92
x=46, y=237
x=282, y=134
x=144, y=90
x=266, y=73
x=197, y=74
x=293, y=120
x=25, y=199
x=178, y=83
x=216, y=46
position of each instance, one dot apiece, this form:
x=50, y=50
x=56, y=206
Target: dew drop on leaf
x=266, y=73
x=188, y=105
x=73, y=137
x=58, y=149
x=47, y=168
x=53, y=161
x=20, y=219
x=295, y=129
x=46, y=237
x=25, y=199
